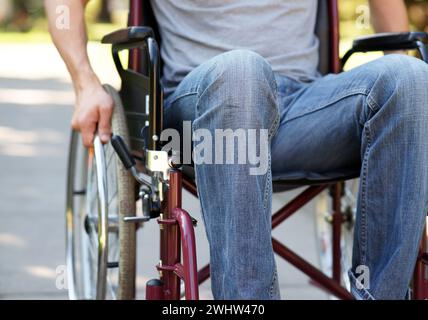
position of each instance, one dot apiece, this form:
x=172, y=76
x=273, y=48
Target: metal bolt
x=160, y=271
x=160, y=224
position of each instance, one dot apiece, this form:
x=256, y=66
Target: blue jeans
x=372, y=121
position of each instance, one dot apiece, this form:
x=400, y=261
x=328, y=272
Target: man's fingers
x=92, y=114
x=88, y=133
x=104, y=127
x=75, y=123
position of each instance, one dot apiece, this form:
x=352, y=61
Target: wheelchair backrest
x=323, y=30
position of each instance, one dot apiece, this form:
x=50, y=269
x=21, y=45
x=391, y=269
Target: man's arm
x=94, y=106
x=389, y=16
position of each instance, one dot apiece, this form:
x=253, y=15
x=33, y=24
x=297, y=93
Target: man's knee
x=241, y=80
x=238, y=73
x=407, y=69
x=246, y=67
x=404, y=80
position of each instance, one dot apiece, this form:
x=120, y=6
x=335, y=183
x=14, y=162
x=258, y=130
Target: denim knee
x=403, y=80
x=239, y=82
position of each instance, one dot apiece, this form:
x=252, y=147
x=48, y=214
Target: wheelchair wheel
x=323, y=226
x=100, y=193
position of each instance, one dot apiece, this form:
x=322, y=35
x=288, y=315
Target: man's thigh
x=180, y=106
x=320, y=133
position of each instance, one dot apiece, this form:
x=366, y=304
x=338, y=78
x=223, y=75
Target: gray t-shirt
x=193, y=31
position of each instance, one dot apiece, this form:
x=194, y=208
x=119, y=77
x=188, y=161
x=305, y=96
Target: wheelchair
x=106, y=182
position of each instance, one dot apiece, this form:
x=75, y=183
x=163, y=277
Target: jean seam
x=185, y=94
x=363, y=212
x=272, y=284
x=359, y=91
x=274, y=126
x=267, y=187
x=372, y=104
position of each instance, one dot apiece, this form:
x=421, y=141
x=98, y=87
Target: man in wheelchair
x=252, y=65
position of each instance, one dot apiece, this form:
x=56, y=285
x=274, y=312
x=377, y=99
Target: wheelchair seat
x=281, y=185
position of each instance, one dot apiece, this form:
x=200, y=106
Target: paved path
x=35, y=107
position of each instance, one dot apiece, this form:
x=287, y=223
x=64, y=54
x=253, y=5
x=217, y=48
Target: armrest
x=128, y=36
x=135, y=37
x=140, y=37
x=390, y=42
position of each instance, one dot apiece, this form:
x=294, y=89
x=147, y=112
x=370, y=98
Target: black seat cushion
x=281, y=185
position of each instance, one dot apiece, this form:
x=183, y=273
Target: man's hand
x=93, y=105
x=93, y=111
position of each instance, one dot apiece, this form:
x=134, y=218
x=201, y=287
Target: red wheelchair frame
x=176, y=225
